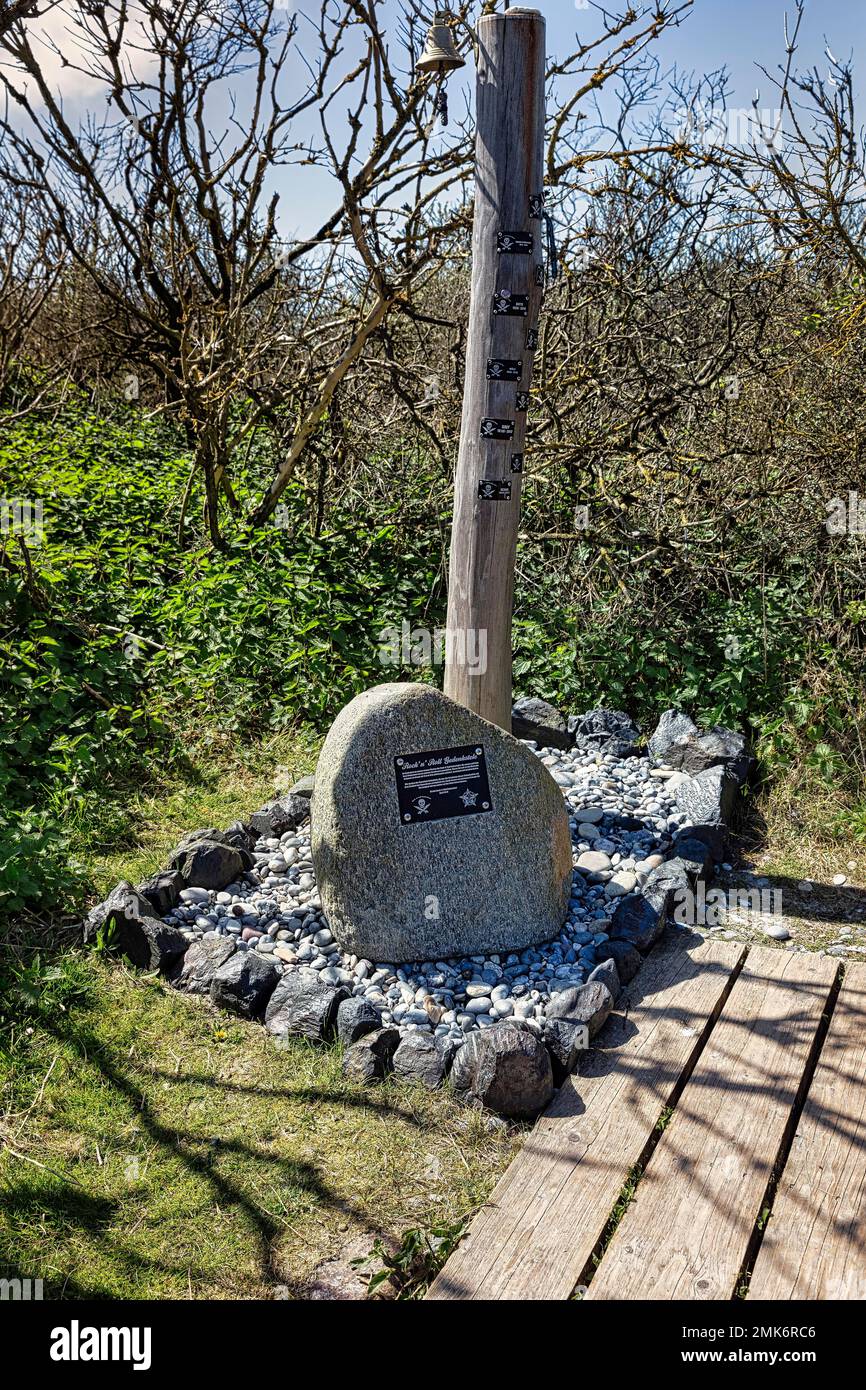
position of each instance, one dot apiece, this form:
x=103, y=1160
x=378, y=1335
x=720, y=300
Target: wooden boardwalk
x=721, y=1116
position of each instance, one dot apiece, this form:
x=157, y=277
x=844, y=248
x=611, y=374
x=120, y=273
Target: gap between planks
x=549, y=1210
x=687, y=1232
x=814, y=1246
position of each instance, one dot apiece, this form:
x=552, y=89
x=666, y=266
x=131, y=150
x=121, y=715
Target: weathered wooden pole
x=507, y=289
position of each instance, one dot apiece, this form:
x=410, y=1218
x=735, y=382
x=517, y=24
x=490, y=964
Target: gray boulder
x=565, y=1041
x=355, y=1017
x=672, y=732
x=505, y=1069
x=678, y=742
x=424, y=1058
x=607, y=974
x=123, y=896
x=624, y=956
x=606, y=731
x=245, y=983
x=281, y=815
x=695, y=857
x=487, y=880
x=209, y=859
x=130, y=929
x=709, y=797
x=239, y=835
x=588, y=1004
x=370, y=1058
x=304, y=1006
x=162, y=890
x=536, y=719
x=194, y=974
x=713, y=837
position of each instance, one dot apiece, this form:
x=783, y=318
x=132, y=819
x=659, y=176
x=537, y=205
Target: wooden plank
x=687, y=1231
x=549, y=1210
x=815, y=1242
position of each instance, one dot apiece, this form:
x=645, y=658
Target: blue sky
x=736, y=34
x=739, y=35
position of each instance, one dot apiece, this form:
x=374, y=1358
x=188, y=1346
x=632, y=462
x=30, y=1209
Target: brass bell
x=440, y=54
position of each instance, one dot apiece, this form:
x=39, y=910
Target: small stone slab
x=303, y=1005
x=494, y=880
x=369, y=1059
x=201, y=962
x=245, y=983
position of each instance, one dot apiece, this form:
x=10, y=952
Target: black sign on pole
x=517, y=463
x=510, y=305
x=504, y=369
x=522, y=401
x=532, y=339
x=496, y=429
x=442, y=784
x=514, y=244
x=494, y=490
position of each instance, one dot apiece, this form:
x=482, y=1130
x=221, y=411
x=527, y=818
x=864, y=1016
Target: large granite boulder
x=536, y=719
x=506, y=1069
x=435, y=833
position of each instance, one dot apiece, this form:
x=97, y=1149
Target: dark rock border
x=507, y=1068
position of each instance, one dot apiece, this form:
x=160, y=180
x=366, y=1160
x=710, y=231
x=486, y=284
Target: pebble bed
x=276, y=909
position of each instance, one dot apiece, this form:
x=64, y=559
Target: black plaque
x=496, y=429
x=539, y=274
x=536, y=206
x=532, y=339
x=522, y=401
x=510, y=305
x=514, y=243
x=504, y=369
x=442, y=784
x=494, y=490
x=517, y=463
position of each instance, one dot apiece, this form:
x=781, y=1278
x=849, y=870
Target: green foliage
x=35, y=990
x=417, y=1258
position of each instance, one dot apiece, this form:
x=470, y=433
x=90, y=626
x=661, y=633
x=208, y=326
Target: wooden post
x=507, y=289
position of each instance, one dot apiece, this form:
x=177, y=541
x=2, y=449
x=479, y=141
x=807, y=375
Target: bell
x=440, y=54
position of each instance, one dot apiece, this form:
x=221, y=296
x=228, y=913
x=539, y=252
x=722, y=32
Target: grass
x=153, y=1148
x=156, y=1149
